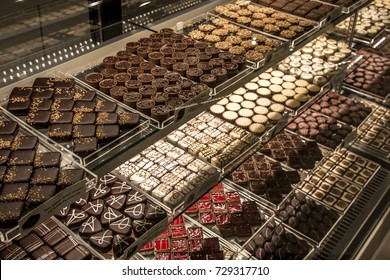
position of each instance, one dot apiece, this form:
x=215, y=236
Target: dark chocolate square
x=105, y=106
x=40, y=194
x=63, y=93
x=42, y=93
x=42, y=83
x=21, y=92
x=107, y=132
x=128, y=119
x=84, y=107
x=84, y=95
x=22, y=157
x=78, y=253
x=62, y=82
x=65, y=246
x=24, y=143
x=18, y=106
x=8, y=127
x=38, y=119
x=44, y=253
x=80, y=131
x=40, y=104
x=6, y=141
x=106, y=118
x=84, y=118
x=49, y=159
x=4, y=155
x=60, y=131
x=85, y=145
x=68, y=177
x=14, y=192
x=31, y=242
x=18, y=174
x=10, y=212
x=43, y=176
x=13, y=252
x=58, y=117
x=45, y=228
x=62, y=105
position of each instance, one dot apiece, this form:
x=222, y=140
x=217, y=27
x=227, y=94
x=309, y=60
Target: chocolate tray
x=342, y=154
x=279, y=229
x=228, y=249
x=202, y=120
x=316, y=187
x=334, y=222
x=114, y=219
x=292, y=42
x=176, y=113
x=244, y=196
x=262, y=198
x=186, y=192
x=346, y=141
x=57, y=240
x=345, y=9
x=193, y=24
x=363, y=39
x=33, y=215
x=127, y=136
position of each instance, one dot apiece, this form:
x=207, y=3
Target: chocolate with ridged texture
x=39, y=194
x=80, y=252
x=68, y=177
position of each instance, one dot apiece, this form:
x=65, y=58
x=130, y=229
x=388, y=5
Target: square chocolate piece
x=84, y=95
x=42, y=83
x=107, y=132
x=4, y=155
x=105, y=106
x=63, y=93
x=85, y=145
x=42, y=93
x=128, y=120
x=22, y=157
x=40, y=194
x=6, y=141
x=18, y=174
x=44, y=253
x=24, y=143
x=43, y=176
x=58, y=117
x=14, y=192
x=10, y=213
x=18, y=106
x=13, y=252
x=84, y=107
x=62, y=105
x=31, y=242
x=68, y=177
x=8, y=127
x=106, y=118
x=78, y=253
x=21, y=92
x=40, y=105
x=84, y=118
x=80, y=131
x=49, y=159
x=38, y=119
x=62, y=82
x=60, y=131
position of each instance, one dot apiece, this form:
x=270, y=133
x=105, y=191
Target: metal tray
x=126, y=138
x=229, y=250
x=39, y=214
x=244, y=196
